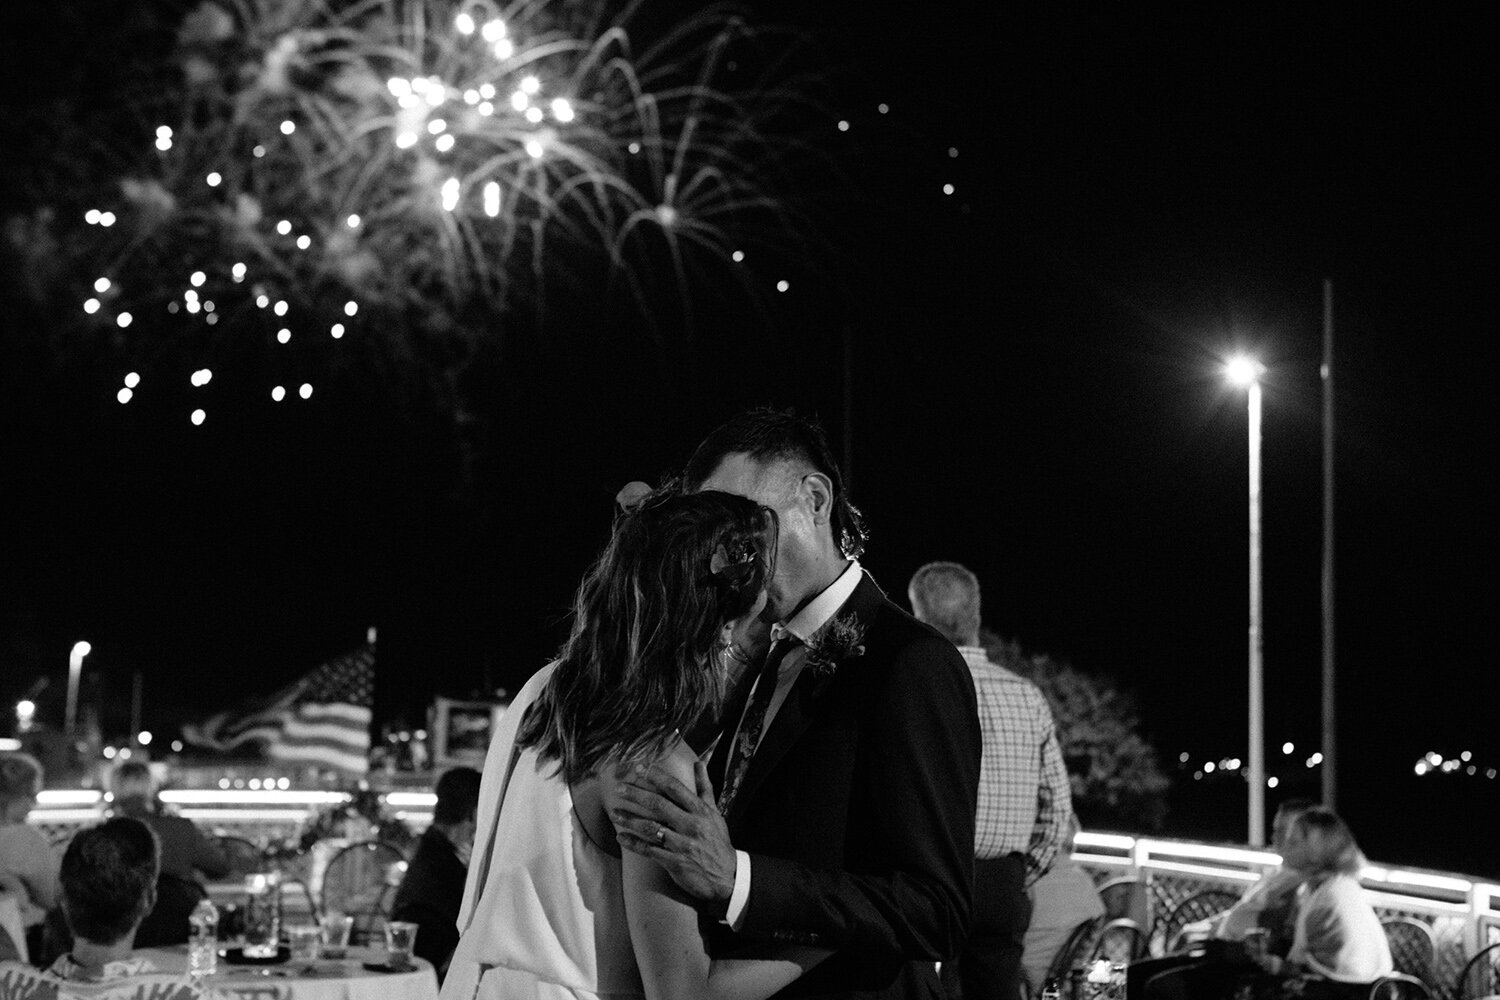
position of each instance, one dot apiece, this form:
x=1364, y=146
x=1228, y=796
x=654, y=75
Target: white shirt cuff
x=741, y=894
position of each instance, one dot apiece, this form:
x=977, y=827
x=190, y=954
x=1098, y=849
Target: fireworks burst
x=327, y=162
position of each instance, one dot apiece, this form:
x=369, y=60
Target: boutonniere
x=841, y=639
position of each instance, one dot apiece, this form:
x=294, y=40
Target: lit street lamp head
x=81, y=649
x=1243, y=370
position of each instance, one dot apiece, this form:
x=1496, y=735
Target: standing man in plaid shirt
x=1025, y=803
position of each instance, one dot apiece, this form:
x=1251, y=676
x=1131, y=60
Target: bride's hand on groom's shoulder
x=659, y=817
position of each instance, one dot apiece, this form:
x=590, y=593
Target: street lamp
x=1245, y=372
x=75, y=668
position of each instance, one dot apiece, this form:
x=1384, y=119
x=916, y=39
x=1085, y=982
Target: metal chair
x=1480, y=976
x=361, y=881
x=1119, y=895
x=1121, y=941
x=1399, y=986
x=1079, y=943
x=1195, y=908
x=1412, y=946
x=244, y=857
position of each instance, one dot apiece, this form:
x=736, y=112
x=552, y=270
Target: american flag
x=321, y=719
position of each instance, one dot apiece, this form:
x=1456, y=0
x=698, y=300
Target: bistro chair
x=1399, y=986
x=244, y=857
x=1412, y=946
x=1194, y=909
x=1121, y=941
x=361, y=882
x=1480, y=977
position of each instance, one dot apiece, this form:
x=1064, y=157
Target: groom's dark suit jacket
x=858, y=812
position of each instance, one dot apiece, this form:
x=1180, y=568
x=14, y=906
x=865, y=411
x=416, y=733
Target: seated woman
x=28, y=868
x=1339, y=947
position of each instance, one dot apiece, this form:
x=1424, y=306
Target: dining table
x=361, y=974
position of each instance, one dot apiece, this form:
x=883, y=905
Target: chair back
x=1480, y=977
x=1412, y=946
x=1194, y=909
x=1079, y=943
x=1399, y=986
x=361, y=881
x=1119, y=896
x=243, y=856
x=1120, y=941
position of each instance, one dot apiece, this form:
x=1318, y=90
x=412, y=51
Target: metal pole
x=136, y=684
x=1257, y=707
x=1330, y=715
x=70, y=711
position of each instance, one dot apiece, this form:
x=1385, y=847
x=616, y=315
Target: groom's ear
x=819, y=493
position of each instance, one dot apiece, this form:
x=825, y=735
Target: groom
x=847, y=780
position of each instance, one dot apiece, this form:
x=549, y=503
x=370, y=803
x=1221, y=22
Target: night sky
x=1021, y=376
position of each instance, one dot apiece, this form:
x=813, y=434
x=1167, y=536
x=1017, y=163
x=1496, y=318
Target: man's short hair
x=20, y=777
x=767, y=434
x=945, y=595
x=108, y=879
x=457, y=796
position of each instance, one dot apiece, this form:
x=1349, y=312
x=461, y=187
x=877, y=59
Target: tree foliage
x=1116, y=778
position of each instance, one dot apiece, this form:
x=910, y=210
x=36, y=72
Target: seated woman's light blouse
x=1338, y=935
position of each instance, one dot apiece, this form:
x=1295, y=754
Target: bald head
x=945, y=595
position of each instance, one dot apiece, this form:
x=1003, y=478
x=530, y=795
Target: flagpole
x=1330, y=715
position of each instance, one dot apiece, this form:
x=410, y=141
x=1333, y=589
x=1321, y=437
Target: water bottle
x=203, y=939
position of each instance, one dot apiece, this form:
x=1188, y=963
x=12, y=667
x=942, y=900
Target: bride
x=552, y=910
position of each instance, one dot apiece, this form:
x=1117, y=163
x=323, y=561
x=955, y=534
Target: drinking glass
x=400, y=936
x=336, y=929
x=262, y=916
x=304, y=941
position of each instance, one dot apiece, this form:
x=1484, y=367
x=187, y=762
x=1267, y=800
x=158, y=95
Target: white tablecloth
x=325, y=979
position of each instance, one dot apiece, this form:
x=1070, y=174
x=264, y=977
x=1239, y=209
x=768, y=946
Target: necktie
x=747, y=737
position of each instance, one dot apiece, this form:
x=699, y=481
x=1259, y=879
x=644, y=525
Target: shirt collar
x=816, y=613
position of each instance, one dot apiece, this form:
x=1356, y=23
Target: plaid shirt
x=1025, y=801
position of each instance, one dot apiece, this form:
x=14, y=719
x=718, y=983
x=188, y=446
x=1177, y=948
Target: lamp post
x=75, y=668
x=1245, y=372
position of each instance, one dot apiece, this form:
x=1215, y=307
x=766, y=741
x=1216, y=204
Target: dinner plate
x=383, y=967
x=237, y=956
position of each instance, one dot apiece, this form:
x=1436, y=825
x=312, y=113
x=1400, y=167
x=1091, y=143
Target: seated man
x=433, y=888
x=187, y=856
x=108, y=886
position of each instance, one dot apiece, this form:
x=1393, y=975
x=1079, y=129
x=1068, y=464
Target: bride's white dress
x=543, y=917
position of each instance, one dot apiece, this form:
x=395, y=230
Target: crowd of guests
x=748, y=773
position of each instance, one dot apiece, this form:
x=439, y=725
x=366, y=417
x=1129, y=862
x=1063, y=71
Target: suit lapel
x=799, y=709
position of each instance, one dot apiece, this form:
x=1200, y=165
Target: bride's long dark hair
x=641, y=662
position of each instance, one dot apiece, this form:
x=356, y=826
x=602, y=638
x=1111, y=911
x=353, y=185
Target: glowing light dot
x=91, y=306
x=464, y=23
x=163, y=132
x=278, y=393
x=1466, y=756
x=436, y=125
x=214, y=179
x=952, y=152
x=444, y=142
x=737, y=256
x=487, y=91
x=843, y=126
x=504, y=49
x=436, y=93
x=194, y=307
x=303, y=242
x=207, y=375
x=486, y=108
x=406, y=140
x=1272, y=782
x=284, y=227
x=534, y=148
x=883, y=108
x=534, y=115
x=107, y=219
x=562, y=110
x=350, y=308
x=197, y=279
x=450, y=194
x=190, y=295
x=198, y=417
x=288, y=127
x=238, y=272
x=666, y=215
x=519, y=100
x=123, y=320
x=124, y=395
x=283, y=336
x=101, y=285
x=281, y=308
x=947, y=189
x=530, y=84
x=1184, y=757
x=262, y=301
x=494, y=30
x=163, y=144
x=337, y=331
x=305, y=391
x=783, y=285
x=259, y=151
x=1288, y=747
x=492, y=199
x=91, y=216
x=471, y=97
x=211, y=320
x=132, y=379
x=1208, y=768
x=353, y=221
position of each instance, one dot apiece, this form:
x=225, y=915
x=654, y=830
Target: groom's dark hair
x=766, y=434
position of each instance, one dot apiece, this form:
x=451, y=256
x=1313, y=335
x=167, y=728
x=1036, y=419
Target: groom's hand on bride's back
x=679, y=828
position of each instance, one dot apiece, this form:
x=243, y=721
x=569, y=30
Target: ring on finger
x=661, y=835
